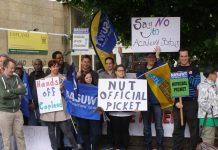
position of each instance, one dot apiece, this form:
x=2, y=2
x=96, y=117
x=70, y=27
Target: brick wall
x=47, y=16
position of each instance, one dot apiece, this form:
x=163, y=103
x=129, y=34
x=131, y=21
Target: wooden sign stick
x=181, y=112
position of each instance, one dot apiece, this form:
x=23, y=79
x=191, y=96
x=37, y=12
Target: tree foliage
x=199, y=21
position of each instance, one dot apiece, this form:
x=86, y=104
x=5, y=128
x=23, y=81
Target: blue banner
x=178, y=75
x=85, y=105
x=106, y=37
x=71, y=76
x=27, y=97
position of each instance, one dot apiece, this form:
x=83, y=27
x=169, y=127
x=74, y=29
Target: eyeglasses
x=120, y=70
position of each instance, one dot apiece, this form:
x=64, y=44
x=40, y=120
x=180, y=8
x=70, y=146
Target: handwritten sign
x=179, y=84
x=49, y=95
x=149, y=32
x=122, y=94
x=80, y=39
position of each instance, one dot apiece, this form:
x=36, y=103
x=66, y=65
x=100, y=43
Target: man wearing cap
x=153, y=61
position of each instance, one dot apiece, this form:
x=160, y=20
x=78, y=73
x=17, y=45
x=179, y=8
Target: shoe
x=109, y=147
x=79, y=146
x=67, y=148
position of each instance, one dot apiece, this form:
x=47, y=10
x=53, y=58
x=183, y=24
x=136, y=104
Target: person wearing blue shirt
x=153, y=61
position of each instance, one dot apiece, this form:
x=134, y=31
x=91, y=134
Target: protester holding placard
x=208, y=104
x=153, y=61
x=120, y=120
x=109, y=69
x=90, y=130
x=190, y=105
x=58, y=120
x=108, y=74
x=11, y=87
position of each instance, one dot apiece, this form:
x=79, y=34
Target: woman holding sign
x=90, y=129
x=208, y=105
x=120, y=120
x=58, y=120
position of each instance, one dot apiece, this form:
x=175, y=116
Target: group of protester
x=195, y=106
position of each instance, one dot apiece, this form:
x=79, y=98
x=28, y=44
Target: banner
x=27, y=97
x=49, y=95
x=159, y=81
x=85, y=105
x=71, y=76
x=136, y=125
x=148, y=32
x=179, y=84
x=122, y=94
x=27, y=43
x=103, y=36
x=80, y=39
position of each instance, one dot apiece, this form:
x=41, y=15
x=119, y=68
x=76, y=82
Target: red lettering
x=56, y=82
x=167, y=117
x=52, y=82
x=43, y=84
x=37, y=83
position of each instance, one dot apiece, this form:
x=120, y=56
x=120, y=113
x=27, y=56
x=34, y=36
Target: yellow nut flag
x=159, y=82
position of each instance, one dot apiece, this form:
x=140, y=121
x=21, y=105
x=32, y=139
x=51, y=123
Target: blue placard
x=85, y=105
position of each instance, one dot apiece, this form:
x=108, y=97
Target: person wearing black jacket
x=33, y=106
x=63, y=66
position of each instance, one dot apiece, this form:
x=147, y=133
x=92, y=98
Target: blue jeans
x=157, y=113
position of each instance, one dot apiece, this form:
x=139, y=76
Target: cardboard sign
x=122, y=94
x=179, y=84
x=49, y=95
x=80, y=39
x=148, y=32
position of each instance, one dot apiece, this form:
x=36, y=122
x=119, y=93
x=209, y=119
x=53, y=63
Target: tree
x=199, y=21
